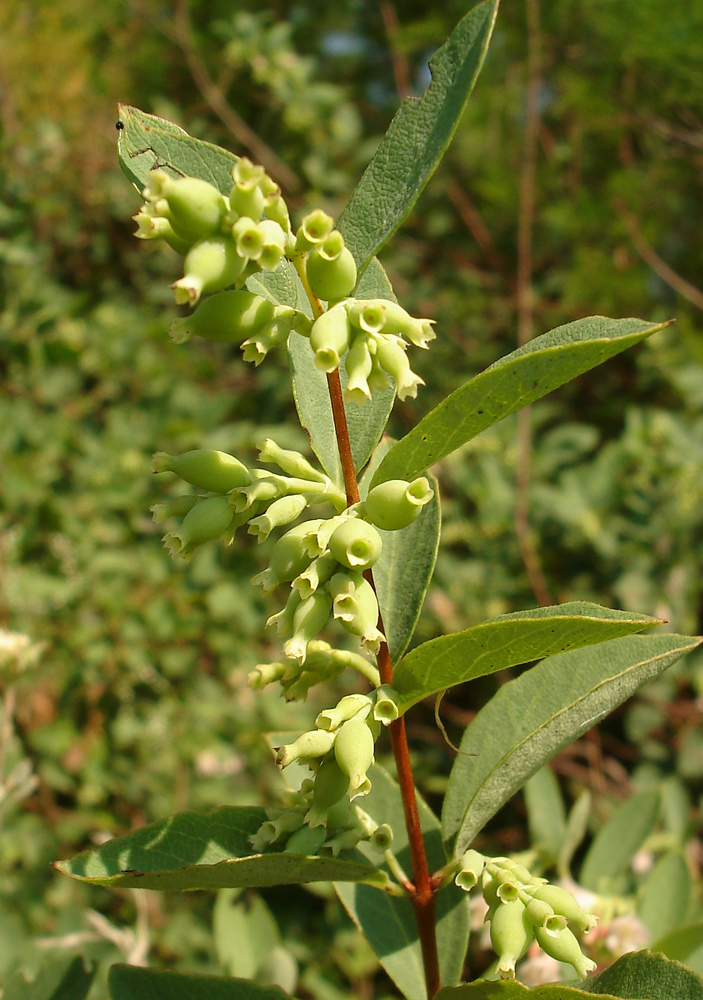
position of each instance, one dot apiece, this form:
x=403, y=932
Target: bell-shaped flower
x=281, y=512
x=392, y=358
x=309, y=619
x=204, y=468
x=315, y=743
x=354, y=751
x=356, y=544
x=227, y=317
x=208, y=519
x=331, y=269
x=395, y=504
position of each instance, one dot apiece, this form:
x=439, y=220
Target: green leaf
x=244, y=932
x=546, y=816
x=666, y=894
x=484, y=989
x=129, y=982
x=404, y=571
x=533, y=717
x=206, y=851
x=506, y=641
x=147, y=143
x=616, y=843
x=417, y=138
x=388, y=922
x=576, y=829
x=682, y=944
x=511, y=383
x=644, y=976
x=60, y=977
x=365, y=421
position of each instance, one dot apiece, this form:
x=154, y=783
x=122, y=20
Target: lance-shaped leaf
x=616, y=843
x=388, y=922
x=666, y=894
x=507, y=641
x=644, y=976
x=365, y=421
x=128, y=982
x=519, y=378
x=60, y=977
x=685, y=945
x=147, y=143
x=206, y=851
x=417, y=138
x=533, y=717
x=484, y=989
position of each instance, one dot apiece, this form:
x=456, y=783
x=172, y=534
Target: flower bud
x=209, y=519
x=356, y=544
x=314, y=228
x=340, y=815
x=174, y=507
x=273, y=244
x=276, y=209
x=354, y=751
x=331, y=784
x=283, y=621
x=318, y=572
x=471, y=866
x=564, y=947
x=264, y=674
x=195, y=207
x=382, y=837
x=385, y=708
x=310, y=618
x=346, y=708
x=395, y=504
x=306, y=841
x=418, y=331
x=329, y=338
x=226, y=316
x=346, y=839
x=247, y=174
x=358, y=365
x=288, y=559
x=331, y=269
x=261, y=492
x=563, y=902
x=256, y=347
x=248, y=238
x=317, y=543
x=281, y=512
x=210, y=265
x=392, y=358
x=156, y=227
x=368, y=314
x=511, y=934
x=291, y=462
x=315, y=743
x=247, y=200
x=356, y=606
x=540, y=914
x=204, y=468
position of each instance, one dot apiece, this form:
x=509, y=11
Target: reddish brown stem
x=422, y=890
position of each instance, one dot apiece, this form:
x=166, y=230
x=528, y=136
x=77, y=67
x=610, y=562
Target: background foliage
x=135, y=706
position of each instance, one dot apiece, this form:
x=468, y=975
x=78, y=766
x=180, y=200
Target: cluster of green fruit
x=226, y=239
x=522, y=907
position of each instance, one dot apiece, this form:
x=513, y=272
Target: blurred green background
x=134, y=704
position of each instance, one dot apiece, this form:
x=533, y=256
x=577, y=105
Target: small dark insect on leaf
x=119, y=126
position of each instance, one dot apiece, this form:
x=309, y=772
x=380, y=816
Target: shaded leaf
x=576, y=829
x=546, y=816
x=644, y=976
x=365, y=421
x=388, y=922
x=682, y=943
x=666, y=894
x=483, y=989
x=533, y=717
x=60, y=977
x=507, y=641
x=205, y=851
x=519, y=378
x=417, y=138
x=128, y=982
x=617, y=842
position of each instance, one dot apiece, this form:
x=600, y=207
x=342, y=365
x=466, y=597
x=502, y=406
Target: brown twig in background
x=471, y=217
x=661, y=268
x=401, y=70
x=524, y=302
x=218, y=103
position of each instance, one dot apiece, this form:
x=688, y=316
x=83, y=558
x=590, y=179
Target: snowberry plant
x=355, y=532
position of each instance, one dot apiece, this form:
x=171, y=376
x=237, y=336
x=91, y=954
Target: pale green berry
x=329, y=338
x=175, y=507
x=306, y=841
x=359, y=365
x=368, y=314
x=563, y=902
x=331, y=784
x=356, y=544
x=471, y=865
x=385, y=707
x=310, y=618
x=209, y=266
x=418, y=331
x=288, y=559
x=315, y=743
x=346, y=708
x=395, y=504
x=354, y=751
x=314, y=228
x=209, y=519
x=226, y=316
x=195, y=207
x=281, y=512
x=291, y=462
x=511, y=935
x=204, y=468
x=331, y=269
x=564, y=947
x=393, y=359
